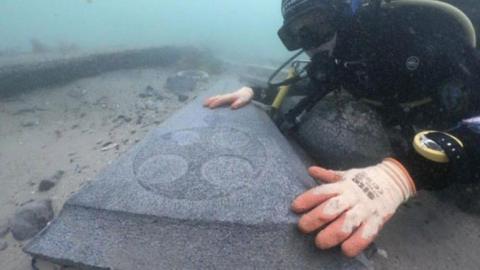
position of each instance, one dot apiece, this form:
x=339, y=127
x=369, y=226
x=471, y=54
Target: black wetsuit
x=414, y=78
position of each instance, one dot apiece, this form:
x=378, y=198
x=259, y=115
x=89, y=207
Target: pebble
x=31, y=218
x=47, y=184
x=107, y=144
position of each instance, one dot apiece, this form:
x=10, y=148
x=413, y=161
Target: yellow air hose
x=283, y=91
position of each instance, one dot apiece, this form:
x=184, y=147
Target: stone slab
x=208, y=189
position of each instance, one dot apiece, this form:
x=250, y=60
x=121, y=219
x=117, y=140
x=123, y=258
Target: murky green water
x=236, y=28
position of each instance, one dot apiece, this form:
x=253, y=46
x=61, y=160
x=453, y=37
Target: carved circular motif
x=229, y=170
x=199, y=164
x=161, y=169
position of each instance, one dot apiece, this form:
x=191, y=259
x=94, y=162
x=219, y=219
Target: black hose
x=287, y=81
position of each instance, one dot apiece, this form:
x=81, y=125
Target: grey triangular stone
x=209, y=189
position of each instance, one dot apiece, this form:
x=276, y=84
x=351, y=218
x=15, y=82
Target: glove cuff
x=401, y=177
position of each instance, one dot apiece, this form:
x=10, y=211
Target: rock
x=31, y=219
x=47, y=184
x=182, y=98
x=4, y=229
x=3, y=245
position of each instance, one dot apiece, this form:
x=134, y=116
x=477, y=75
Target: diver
x=402, y=74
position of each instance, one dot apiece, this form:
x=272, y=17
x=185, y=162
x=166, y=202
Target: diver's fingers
x=339, y=230
x=315, y=196
x=325, y=213
x=207, y=101
x=363, y=236
x=222, y=100
x=240, y=102
x=324, y=175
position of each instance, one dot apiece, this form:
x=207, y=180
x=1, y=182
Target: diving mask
x=308, y=30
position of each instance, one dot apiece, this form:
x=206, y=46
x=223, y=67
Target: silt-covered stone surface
x=208, y=189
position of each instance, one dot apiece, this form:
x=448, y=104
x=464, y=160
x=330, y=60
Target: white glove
x=236, y=99
x=355, y=204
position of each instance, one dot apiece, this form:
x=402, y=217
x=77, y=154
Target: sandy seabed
x=78, y=128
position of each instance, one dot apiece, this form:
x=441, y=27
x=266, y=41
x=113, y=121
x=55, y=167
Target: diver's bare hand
x=236, y=100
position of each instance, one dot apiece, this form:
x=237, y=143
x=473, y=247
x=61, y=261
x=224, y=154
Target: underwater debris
x=109, y=145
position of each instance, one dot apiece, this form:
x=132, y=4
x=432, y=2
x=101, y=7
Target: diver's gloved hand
x=355, y=204
x=236, y=99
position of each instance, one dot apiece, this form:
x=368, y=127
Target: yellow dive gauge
x=432, y=150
